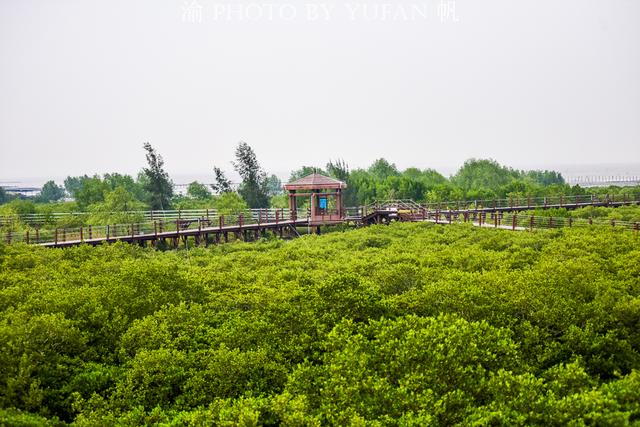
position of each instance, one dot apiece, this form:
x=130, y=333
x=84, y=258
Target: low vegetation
x=408, y=324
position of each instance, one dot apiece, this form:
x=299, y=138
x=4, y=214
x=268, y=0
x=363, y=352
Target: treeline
x=408, y=324
x=115, y=197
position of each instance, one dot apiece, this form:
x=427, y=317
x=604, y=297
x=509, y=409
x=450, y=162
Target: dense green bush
x=408, y=324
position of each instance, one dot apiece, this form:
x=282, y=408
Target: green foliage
x=254, y=187
x=477, y=179
x=90, y=191
x=19, y=207
x=222, y=183
x=228, y=203
x=198, y=191
x=157, y=183
x=382, y=169
x=304, y=171
x=51, y=192
x=407, y=324
x=274, y=186
x=4, y=197
x=119, y=207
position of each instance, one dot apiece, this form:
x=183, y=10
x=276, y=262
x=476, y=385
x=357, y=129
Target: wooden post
x=514, y=222
x=64, y=234
x=221, y=221
x=277, y=216
x=107, y=232
x=495, y=219
x=27, y=236
x=81, y=235
x=37, y=235
x=570, y=222
x=531, y=221
x=55, y=240
x=90, y=232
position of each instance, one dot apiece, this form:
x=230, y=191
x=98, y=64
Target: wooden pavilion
x=324, y=195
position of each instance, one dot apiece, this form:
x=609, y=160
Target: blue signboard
x=322, y=203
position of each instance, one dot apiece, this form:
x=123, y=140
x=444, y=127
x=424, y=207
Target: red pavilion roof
x=315, y=181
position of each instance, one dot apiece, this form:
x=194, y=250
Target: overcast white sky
x=83, y=83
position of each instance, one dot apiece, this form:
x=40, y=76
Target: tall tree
x=4, y=197
x=304, y=171
x=198, y=191
x=338, y=169
x=274, y=186
x=90, y=191
x=73, y=184
x=382, y=169
x=158, y=184
x=51, y=192
x=254, y=180
x=222, y=184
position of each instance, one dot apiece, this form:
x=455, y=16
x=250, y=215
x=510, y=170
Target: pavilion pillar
x=339, y=207
x=313, y=205
x=292, y=205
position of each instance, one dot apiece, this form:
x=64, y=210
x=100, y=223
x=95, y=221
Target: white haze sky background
x=530, y=83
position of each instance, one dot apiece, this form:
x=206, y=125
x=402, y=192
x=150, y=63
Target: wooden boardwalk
x=202, y=235
x=505, y=214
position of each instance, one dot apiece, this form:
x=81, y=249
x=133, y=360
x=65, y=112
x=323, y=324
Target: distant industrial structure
x=21, y=190
x=603, y=181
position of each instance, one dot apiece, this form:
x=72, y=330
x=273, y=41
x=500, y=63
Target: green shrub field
x=407, y=324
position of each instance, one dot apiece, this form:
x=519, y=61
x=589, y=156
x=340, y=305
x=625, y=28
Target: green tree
x=199, y=191
x=274, y=186
x=253, y=188
x=158, y=184
x=119, y=207
x=114, y=180
x=304, y=171
x=222, y=184
x=90, y=191
x=51, y=192
x=338, y=169
x=73, y=184
x=4, y=197
x=229, y=203
x=279, y=201
x=382, y=169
